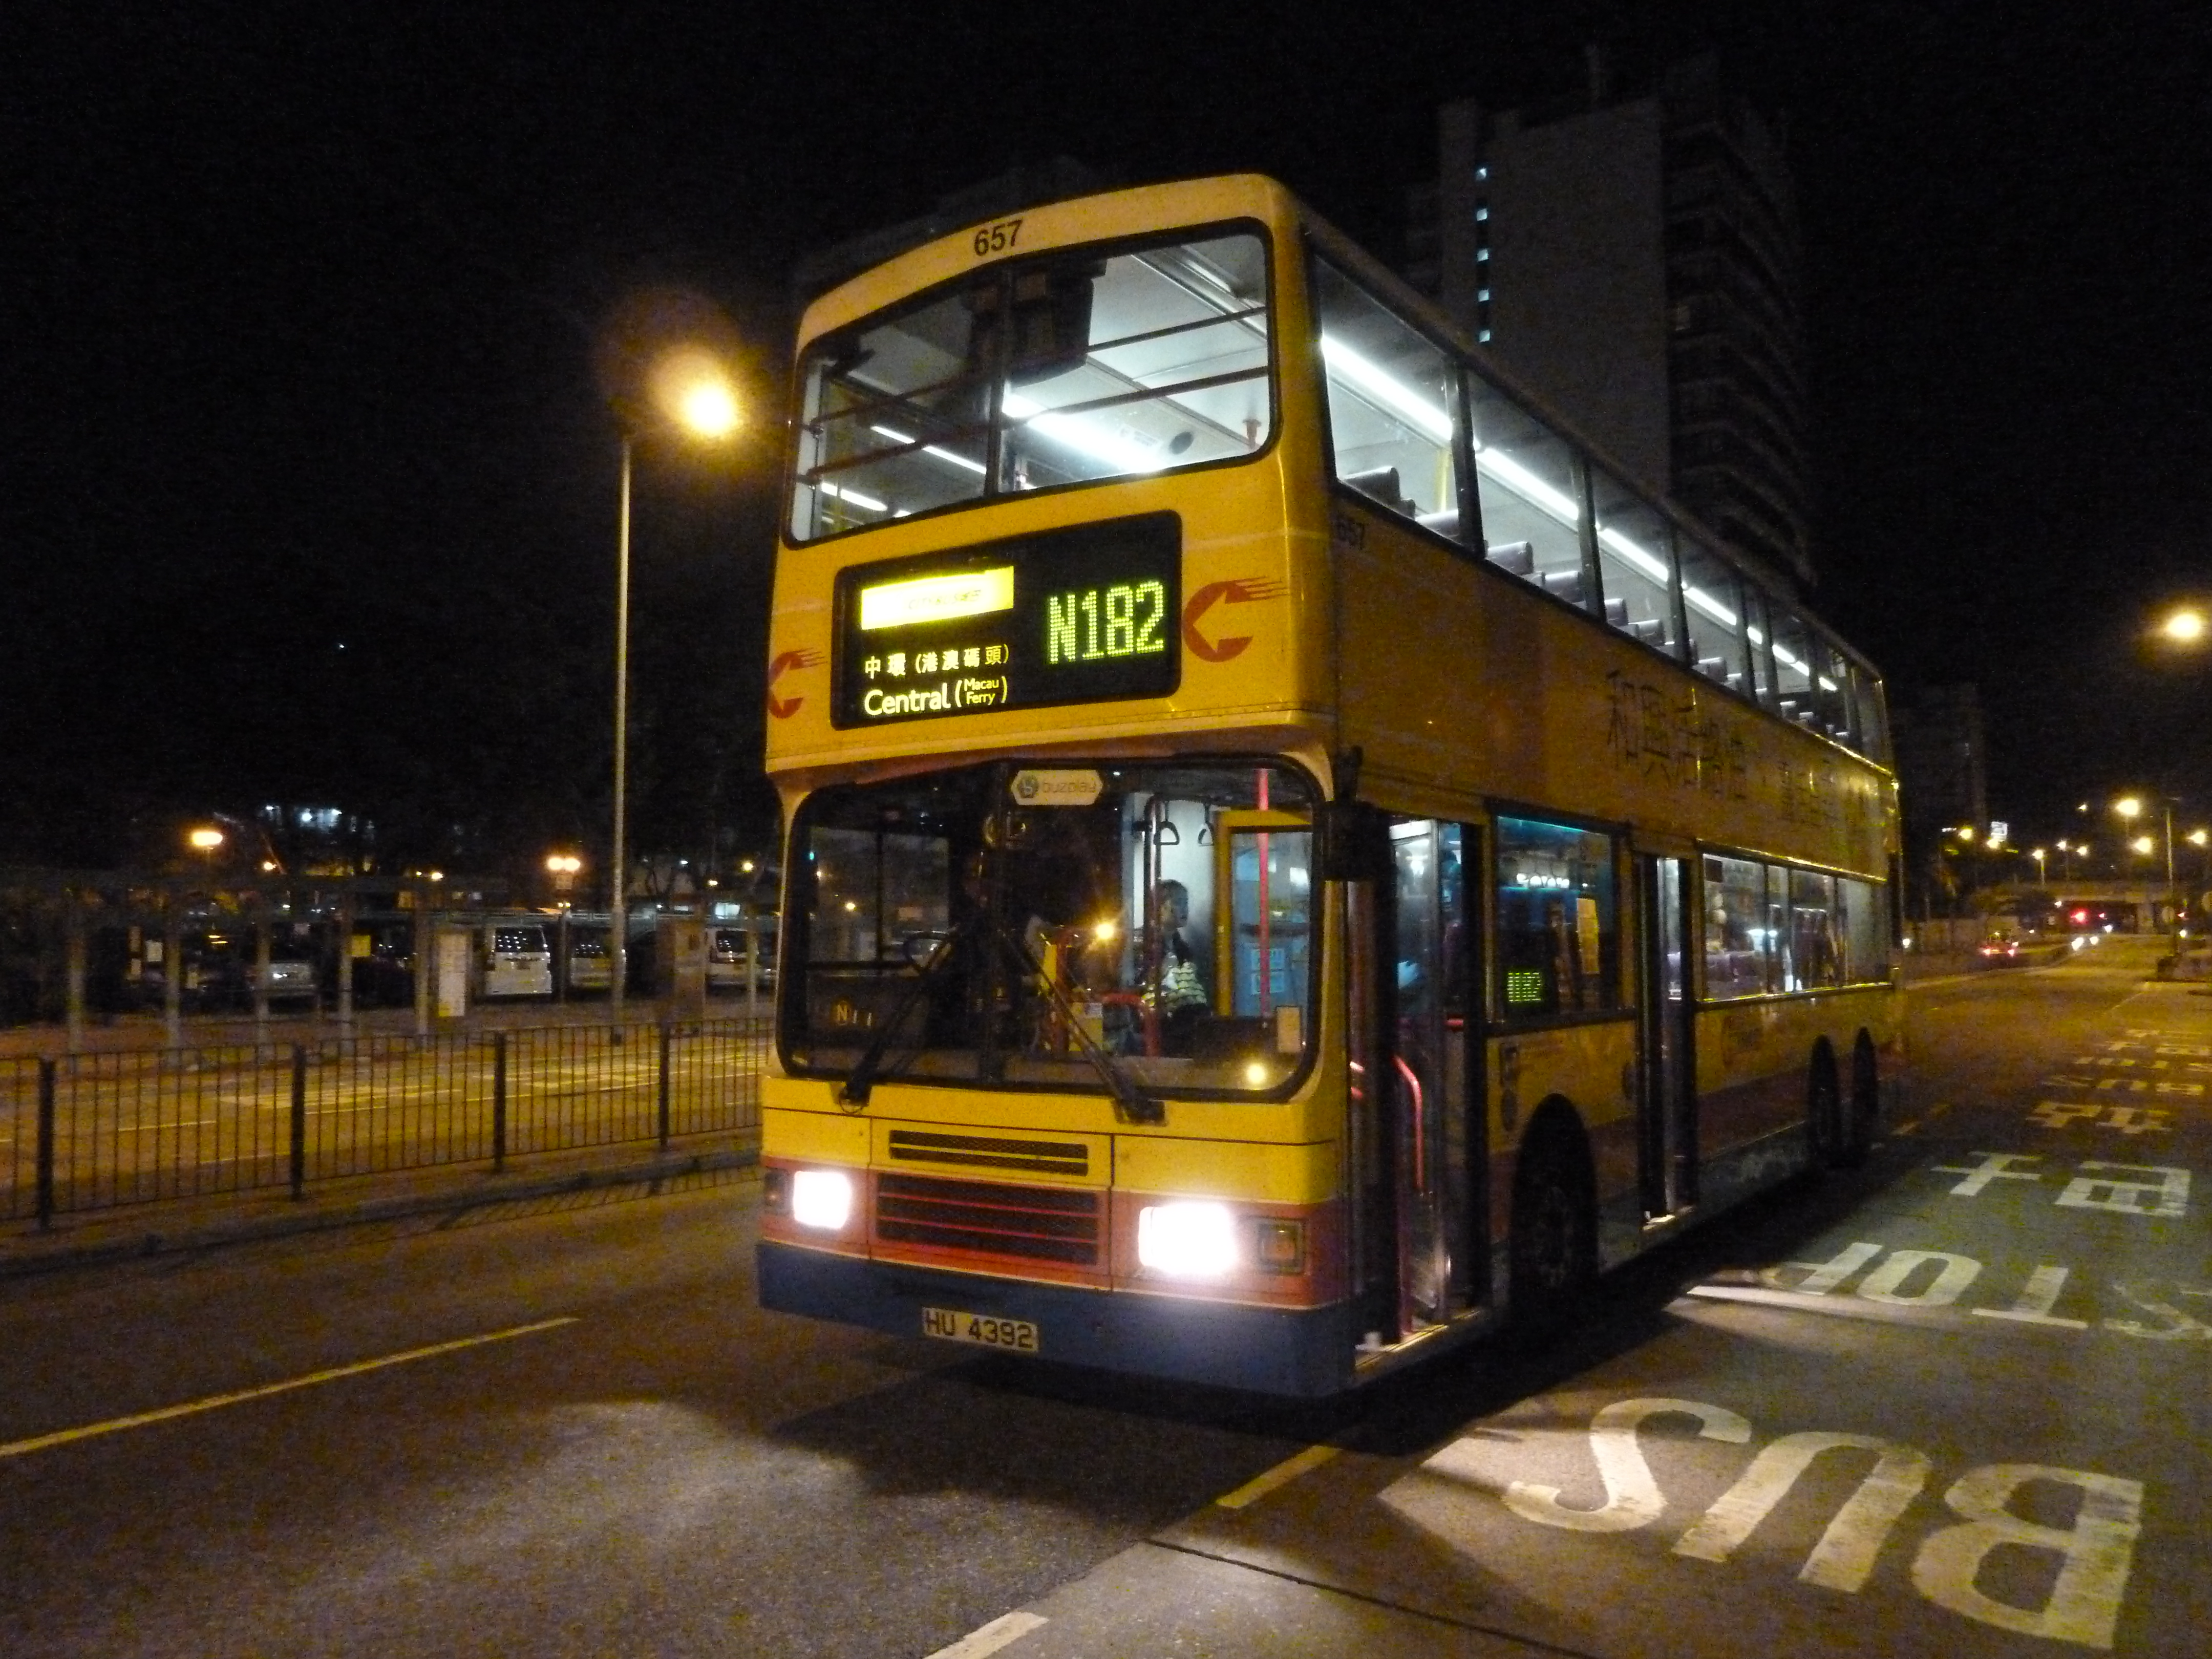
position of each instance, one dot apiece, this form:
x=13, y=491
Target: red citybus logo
x=784, y=708
x=1238, y=590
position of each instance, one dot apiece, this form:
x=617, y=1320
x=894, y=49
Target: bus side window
x=1635, y=563
x=1713, y=618
x=1393, y=409
x=1738, y=946
x=1557, y=925
x=1530, y=496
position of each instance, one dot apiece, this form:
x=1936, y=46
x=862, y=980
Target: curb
x=63, y=1257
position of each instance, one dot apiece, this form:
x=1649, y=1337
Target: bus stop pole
x=344, y=968
x=423, y=964
x=261, y=931
x=173, y=968
x=75, y=952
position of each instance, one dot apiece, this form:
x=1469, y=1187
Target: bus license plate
x=985, y=1330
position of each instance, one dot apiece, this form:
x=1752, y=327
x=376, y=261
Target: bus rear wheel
x=1552, y=1251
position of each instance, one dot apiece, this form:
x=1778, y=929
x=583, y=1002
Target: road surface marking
x=2081, y=1604
x=140, y=1420
x=1281, y=1476
x=1817, y=1292
x=1003, y=1631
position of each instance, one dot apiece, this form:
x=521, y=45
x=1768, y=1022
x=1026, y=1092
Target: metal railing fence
x=98, y=1131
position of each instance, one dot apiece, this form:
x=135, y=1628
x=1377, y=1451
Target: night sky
x=310, y=488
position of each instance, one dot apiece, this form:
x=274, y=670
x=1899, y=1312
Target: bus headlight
x=822, y=1198
x=1189, y=1239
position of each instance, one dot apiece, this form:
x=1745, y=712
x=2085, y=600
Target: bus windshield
x=1060, y=926
x=1068, y=368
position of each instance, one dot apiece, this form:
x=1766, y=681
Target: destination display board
x=1082, y=615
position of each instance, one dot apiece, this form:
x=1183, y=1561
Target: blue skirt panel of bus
x=1298, y=1351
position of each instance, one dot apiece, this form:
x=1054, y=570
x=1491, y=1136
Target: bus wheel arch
x=1552, y=1243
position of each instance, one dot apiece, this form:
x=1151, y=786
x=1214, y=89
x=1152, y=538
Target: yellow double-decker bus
x=1291, y=856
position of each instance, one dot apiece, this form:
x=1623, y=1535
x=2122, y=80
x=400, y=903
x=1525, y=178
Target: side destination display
x=1082, y=615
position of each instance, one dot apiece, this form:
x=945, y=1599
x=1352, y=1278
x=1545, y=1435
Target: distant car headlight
x=1189, y=1239
x=822, y=1198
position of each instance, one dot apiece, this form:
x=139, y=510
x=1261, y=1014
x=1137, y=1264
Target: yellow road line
x=1281, y=1476
x=1001, y=1632
x=140, y=1420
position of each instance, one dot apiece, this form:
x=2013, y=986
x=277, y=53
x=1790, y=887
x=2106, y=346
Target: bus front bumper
x=1304, y=1352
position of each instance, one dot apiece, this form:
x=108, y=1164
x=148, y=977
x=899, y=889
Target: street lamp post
x=618, y=915
x=2129, y=807
x=690, y=388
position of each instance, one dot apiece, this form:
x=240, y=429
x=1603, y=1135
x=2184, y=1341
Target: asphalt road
x=1954, y=1403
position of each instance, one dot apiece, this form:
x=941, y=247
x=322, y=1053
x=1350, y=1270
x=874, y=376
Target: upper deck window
x=1072, y=368
x=1393, y=407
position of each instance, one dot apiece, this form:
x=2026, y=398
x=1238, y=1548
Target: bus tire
x=1863, y=1110
x=1824, y=1108
x=1552, y=1247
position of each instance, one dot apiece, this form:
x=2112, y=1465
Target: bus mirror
x=1355, y=841
x=1050, y=330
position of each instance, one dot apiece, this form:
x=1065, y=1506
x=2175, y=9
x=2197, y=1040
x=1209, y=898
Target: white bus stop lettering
x=2168, y=1195
x=2096, y=1551
x=1631, y=1496
x=1845, y=1555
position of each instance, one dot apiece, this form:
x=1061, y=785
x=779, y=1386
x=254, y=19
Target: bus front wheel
x=1824, y=1109
x=1553, y=1247
x=1865, y=1106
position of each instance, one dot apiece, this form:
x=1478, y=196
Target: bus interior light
x=1078, y=433
x=1403, y=401
x=822, y=1199
x=1188, y=1239
x=931, y=450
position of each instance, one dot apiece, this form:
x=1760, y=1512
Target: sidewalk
x=175, y=1225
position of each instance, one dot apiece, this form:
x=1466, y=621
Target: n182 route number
x=997, y=239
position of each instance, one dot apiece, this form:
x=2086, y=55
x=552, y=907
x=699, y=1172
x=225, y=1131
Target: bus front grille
x=1040, y=1223
x=1061, y=1158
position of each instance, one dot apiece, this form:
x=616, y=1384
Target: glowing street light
x=563, y=867
x=2183, y=625
x=207, y=840
x=2042, y=875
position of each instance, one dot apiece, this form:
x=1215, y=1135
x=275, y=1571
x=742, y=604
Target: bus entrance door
x=1418, y=1136
x=1666, y=1108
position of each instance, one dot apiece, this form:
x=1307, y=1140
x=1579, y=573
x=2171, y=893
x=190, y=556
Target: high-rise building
x=1635, y=261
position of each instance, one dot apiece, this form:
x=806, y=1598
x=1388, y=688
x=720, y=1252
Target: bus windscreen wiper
x=1132, y=1105
x=862, y=1077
